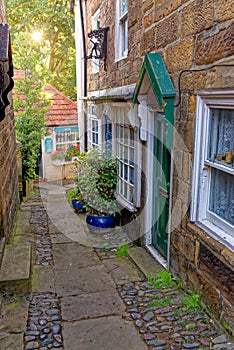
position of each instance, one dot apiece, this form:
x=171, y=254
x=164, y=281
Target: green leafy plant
x=163, y=279
x=164, y=302
x=74, y=193
x=192, y=301
x=30, y=104
x=97, y=180
x=122, y=250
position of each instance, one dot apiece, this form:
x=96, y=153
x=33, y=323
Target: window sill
x=125, y=204
x=121, y=58
x=215, y=232
x=59, y=163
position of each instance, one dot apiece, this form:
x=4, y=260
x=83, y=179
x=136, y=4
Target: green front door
x=161, y=187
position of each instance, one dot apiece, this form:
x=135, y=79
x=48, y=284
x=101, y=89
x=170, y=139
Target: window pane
x=131, y=176
x=125, y=172
x=131, y=134
x=221, y=142
x=222, y=195
x=131, y=157
x=130, y=194
x=123, y=7
x=125, y=35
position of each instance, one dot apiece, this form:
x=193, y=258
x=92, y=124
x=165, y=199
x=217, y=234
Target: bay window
x=128, y=153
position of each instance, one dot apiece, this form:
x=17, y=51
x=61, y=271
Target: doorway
x=161, y=187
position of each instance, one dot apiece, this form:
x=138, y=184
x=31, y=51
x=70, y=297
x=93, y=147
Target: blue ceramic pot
x=77, y=205
x=100, y=223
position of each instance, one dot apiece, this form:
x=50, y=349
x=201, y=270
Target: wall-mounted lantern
x=6, y=68
x=98, y=38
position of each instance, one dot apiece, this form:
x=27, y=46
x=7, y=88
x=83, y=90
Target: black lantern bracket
x=98, y=38
x=6, y=68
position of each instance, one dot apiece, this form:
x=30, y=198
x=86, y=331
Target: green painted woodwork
x=163, y=89
x=164, y=92
x=159, y=78
x=161, y=187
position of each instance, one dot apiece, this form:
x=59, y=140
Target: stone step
x=145, y=262
x=15, y=268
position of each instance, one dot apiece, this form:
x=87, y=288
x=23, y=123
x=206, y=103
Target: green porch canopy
x=160, y=81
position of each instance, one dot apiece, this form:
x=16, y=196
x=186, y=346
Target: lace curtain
x=221, y=151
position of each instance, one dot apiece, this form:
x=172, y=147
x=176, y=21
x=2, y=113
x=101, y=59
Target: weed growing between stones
x=122, y=251
x=163, y=279
x=192, y=301
x=164, y=302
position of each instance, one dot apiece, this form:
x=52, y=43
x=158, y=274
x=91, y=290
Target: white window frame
x=92, y=119
x=222, y=230
x=64, y=143
x=121, y=31
x=96, y=25
x=121, y=120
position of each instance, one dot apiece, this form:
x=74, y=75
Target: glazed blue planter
x=79, y=207
x=100, y=223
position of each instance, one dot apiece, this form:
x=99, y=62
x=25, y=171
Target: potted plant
x=75, y=198
x=97, y=180
x=57, y=157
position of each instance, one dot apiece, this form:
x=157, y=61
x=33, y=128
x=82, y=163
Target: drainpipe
x=82, y=68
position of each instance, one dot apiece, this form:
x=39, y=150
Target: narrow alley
x=81, y=296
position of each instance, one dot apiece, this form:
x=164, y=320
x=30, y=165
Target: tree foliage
x=30, y=104
x=57, y=49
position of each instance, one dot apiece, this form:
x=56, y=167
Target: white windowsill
x=125, y=204
x=217, y=233
x=121, y=58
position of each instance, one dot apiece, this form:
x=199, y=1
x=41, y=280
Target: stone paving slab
x=122, y=270
x=73, y=255
x=43, y=279
x=14, y=314
x=12, y=342
x=23, y=232
x=86, y=280
x=102, y=334
x=16, y=262
x=92, y=305
x=15, y=268
x=58, y=237
x=68, y=223
x=145, y=262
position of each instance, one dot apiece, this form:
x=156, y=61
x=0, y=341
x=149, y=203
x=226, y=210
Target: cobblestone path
x=158, y=315
x=163, y=321
x=44, y=317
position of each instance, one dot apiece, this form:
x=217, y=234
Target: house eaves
x=62, y=111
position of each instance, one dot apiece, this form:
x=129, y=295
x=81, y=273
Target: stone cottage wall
x=190, y=35
x=124, y=72
x=8, y=165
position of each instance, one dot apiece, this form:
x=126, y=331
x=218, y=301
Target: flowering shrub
x=73, y=151
x=57, y=155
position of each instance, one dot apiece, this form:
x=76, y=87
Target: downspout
x=85, y=71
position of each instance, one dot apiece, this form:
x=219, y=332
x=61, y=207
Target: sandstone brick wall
x=193, y=37
x=2, y=11
x=8, y=167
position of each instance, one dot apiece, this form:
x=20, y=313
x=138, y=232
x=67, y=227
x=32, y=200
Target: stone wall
x=193, y=37
x=8, y=165
x=124, y=72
